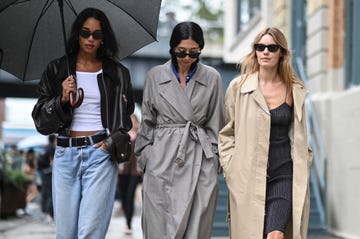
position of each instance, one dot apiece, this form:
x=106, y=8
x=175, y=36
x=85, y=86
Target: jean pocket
x=103, y=150
x=60, y=151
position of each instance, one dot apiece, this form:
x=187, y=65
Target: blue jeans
x=84, y=183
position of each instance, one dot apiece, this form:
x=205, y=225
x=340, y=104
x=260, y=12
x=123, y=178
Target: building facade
x=324, y=36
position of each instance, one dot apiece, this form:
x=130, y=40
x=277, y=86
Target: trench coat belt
x=191, y=132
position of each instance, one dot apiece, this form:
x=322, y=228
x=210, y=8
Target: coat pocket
x=146, y=153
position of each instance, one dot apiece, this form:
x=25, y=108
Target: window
x=246, y=10
x=352, y=43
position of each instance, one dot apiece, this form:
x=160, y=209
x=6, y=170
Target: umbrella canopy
x=32, y=36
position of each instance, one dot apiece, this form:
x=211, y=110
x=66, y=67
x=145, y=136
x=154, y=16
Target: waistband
x=195, y=132
x=80, y=141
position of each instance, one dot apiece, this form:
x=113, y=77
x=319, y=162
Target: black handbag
x=121, y=148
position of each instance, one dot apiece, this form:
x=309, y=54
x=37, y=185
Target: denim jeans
x=84, y=183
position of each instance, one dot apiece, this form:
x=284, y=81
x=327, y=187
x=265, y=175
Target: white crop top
x=87, y=117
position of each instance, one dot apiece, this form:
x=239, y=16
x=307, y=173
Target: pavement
x=33, y=224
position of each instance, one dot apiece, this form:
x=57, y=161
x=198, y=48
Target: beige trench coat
x=243, y=148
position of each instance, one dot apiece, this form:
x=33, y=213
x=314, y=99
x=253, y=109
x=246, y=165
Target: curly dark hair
x=109, y=47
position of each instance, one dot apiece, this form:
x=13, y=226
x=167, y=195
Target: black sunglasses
x=97, y=35
x=183, y=54
x=271, y=47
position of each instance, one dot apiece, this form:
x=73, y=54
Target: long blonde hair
x=287, y=74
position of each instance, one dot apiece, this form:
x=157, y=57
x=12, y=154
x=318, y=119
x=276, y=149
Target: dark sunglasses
x=183, y=54
x=271, y=47
x=97, y=35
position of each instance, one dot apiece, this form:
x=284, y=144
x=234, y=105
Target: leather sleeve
x=48, y=114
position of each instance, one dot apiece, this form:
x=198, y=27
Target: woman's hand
x=68, y=85
x=102, y=145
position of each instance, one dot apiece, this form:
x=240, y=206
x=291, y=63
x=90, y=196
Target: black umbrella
x=32, y=31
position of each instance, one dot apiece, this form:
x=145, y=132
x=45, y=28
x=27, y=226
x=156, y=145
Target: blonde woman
x=263, y=147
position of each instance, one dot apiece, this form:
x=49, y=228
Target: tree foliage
x=208, y=13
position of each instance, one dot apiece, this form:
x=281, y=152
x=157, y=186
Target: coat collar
x=199, y=72
x=251, y=85
x=170, y=90
x=299, y=95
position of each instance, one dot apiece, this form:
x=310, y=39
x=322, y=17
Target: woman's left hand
x=102, y=145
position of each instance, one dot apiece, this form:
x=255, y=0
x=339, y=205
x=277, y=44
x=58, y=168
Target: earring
x=102, y=42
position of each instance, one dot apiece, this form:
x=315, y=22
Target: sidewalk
x=32, y=226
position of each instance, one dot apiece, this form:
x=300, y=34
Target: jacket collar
x=72, y=64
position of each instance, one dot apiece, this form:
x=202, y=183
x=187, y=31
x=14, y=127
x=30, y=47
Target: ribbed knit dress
x=278, y=206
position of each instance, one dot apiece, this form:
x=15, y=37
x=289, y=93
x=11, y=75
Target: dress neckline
x=285, y=103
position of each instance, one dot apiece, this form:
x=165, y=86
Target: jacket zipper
x=106, y=104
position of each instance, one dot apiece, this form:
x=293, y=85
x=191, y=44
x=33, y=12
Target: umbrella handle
x=76, y=103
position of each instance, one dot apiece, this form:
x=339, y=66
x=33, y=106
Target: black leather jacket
x=117, y=102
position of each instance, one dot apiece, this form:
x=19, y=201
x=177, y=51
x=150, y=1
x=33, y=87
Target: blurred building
x=15, y=120
x=324, y=36
x=17, y=99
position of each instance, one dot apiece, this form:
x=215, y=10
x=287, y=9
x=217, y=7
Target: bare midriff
x=82, y=133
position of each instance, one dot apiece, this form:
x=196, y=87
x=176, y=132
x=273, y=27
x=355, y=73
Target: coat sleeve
x=145, y=136
x=216, y=114
x=227, y=134
x=48, y=113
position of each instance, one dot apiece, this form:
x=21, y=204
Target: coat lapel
x=171, y=91
x=299, y=95
x=199, y=78
x=251, y=84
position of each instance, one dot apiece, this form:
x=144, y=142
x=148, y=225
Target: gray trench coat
x=243, y=149
x=176, y=146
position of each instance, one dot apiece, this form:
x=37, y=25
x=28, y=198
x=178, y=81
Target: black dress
x=278, y=206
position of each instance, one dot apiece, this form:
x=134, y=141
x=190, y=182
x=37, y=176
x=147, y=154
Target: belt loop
x=70, y=142
x=90, y=139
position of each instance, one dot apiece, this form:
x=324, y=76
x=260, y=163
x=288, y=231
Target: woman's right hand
x=68, y=85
